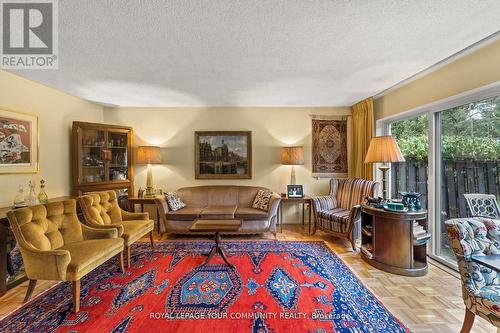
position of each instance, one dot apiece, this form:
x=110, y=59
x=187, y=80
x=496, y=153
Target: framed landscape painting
x=223, y=155
x=18, y=142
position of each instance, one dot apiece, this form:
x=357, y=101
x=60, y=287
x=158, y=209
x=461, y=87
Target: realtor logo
x=29, y=34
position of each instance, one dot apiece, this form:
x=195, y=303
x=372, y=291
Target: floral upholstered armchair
x=480, y=285
x=340, y=212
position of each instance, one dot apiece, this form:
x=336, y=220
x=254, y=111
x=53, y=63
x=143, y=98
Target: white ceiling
x=255, y=52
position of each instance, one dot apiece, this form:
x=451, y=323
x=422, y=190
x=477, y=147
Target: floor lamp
x=384, y=149
x=149, y=155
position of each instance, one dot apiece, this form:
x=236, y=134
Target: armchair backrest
x=46, y=227
x=474, y=236
x=482, y=205
x=101, y=207
x=351, y=192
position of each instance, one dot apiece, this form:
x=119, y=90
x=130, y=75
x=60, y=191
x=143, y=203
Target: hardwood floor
x=432, y=303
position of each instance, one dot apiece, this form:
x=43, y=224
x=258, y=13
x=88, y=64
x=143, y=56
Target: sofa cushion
x=262, y=199
x=185, y=214
x=247, y=213
x=218, y=212
x=174, y=202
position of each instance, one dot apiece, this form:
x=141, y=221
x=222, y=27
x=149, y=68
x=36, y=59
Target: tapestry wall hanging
x=18, y=142
x=330, y=146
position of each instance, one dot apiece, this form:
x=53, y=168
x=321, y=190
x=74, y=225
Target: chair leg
x=128, y=256
x=151, y=239
x=122, y=266
x=353, y=244
x=29, y=292
x=468, y=321
x=76, y=295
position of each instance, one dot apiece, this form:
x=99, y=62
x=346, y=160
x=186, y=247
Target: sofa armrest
x=274, y=203
x=163, y=209
x=272, y=213
x=99, y=233
x=45, y=265
x=128, y=216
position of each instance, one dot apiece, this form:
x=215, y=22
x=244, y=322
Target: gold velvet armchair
x=56, y=246
x=101, y=210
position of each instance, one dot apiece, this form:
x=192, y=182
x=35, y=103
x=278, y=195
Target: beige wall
x=472, y=71
x=173, y=129
x=56, y=111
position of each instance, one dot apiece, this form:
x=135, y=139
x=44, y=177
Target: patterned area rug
x=276, y=287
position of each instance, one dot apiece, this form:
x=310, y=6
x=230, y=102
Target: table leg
x=310, y=217
x=142, y=208
x=303, y=213
x=158, y=220
x=280, y=219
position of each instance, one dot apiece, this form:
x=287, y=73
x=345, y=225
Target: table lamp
x=384, y=149
x=149, y=155
x=292, y=156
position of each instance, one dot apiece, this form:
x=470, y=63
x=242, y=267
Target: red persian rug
x=276, y=287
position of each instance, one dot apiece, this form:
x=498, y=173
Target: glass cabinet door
x=91, y=156
x=118, y=155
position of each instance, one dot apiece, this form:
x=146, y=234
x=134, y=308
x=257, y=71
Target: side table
x=305, y=200
x=132, y=201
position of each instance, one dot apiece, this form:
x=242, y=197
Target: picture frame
x=223, y=154
x=295, y=191
x=19, y=142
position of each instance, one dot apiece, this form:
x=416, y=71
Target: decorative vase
x=31, y=198
x=19, y=198
x=42, y=196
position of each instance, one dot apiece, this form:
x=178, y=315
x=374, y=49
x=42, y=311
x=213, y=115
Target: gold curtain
x=362, y=133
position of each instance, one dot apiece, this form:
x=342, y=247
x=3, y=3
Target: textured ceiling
x=255, y=52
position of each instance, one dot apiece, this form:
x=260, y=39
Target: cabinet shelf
x=367, y=232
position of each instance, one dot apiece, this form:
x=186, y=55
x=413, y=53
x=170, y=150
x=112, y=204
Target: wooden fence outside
x=458, y=177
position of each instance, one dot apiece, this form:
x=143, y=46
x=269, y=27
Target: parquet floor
x=432, y=303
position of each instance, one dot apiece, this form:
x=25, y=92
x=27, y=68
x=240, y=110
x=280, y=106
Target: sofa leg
x=29, y=292
x=127, y=248
x=151, y=240
x=76, y=295
x=468, y=321
x=122, y=266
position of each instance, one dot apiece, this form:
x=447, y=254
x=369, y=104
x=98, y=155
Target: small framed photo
x=295, y=191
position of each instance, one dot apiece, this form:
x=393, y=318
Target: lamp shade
x=383, y=149
x=148, y=155
x=292, y=155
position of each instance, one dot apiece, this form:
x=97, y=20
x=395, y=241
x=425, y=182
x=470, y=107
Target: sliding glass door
x=451, y=148
x=469, y=152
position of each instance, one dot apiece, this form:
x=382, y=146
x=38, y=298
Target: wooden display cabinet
x=395, y=242
x=102, y=158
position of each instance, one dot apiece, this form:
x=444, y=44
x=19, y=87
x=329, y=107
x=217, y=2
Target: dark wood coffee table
x=216, y=226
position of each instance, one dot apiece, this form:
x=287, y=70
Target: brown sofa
x=219, y=202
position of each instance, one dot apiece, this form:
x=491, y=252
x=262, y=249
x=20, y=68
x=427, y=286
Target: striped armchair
x=339, y=213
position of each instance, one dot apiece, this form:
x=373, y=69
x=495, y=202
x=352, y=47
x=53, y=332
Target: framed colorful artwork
x=223, y=155
x=18, y=142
